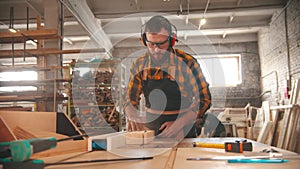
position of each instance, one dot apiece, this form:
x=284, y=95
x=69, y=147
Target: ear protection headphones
x=172, y=35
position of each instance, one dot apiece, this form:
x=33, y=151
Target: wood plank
x=295, y=92
x=23, y=35
x=274, y=116
x=61, y=148
x=5, y=132
x=159, y=161
x=29, y=68
x=264, y=132
x=250, y=122
x=290, y=125
x=284, y=134
x=65, y=147
x=44, y=121
x=171, y=159
x=266, y=109
x=16, y=108
x=32, y=82
x=31, y=98
x=22, y=133
x=259, y=120
x=45, y=51
x=283, y=129
x=291, y=142
x=29, y=133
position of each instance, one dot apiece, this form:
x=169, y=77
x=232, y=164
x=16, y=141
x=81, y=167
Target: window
x=221, y=70
x=18, y=76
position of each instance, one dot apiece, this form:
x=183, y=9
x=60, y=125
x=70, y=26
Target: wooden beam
x=31, y=98
x=16, y=108
x=43, y=52
x=32, y=82
x=23, y=35
x=29, y=68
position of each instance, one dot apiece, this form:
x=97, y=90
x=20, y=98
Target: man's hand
x=134, y=123
x=175, y=128
x=135, y=126
x=170, y=130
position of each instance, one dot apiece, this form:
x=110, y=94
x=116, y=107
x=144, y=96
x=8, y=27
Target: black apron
x=164, y=95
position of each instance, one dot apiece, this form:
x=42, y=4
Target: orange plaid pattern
x=188, y=74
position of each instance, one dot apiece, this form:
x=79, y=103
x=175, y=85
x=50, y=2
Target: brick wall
x=279, y=48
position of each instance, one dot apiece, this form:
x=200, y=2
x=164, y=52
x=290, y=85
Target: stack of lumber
x=280, y=122
x=287, y=135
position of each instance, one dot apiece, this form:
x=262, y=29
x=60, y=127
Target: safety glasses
x=158, y=44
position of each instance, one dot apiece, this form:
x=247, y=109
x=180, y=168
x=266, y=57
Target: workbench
x=171, y=159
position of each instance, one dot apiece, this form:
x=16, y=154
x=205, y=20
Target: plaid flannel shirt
x=189, y=76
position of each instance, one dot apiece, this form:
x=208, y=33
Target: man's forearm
x=188, y=118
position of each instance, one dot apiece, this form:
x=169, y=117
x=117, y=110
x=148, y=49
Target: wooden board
x=64, y=147
x=264, y=132
x=22, y=133
x=271, y=134
x=22, y=35
x=44, y=121
x=259, y=120
x=29, y=133
x=160, y=160
x=171, y=159
x=266, y=108
x=16, y=108
x=44, y=51
x=5, y=133
x=291, y=143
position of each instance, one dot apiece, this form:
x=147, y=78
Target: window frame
x=213, y=57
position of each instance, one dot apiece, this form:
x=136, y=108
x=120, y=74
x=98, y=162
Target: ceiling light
x=231, y=18
x=68, y=40
x=32, y=42
x=12, y=30
x=202, y=21
x=224, y=34
x=187, y=20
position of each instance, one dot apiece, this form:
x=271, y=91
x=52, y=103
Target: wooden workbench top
x=184, y=151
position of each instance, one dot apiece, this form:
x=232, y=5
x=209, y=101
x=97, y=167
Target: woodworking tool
x=237, y=146
x=260, y=158
x=216, y=158
x=21, y=150
x=257, y=161
x=208, y=145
